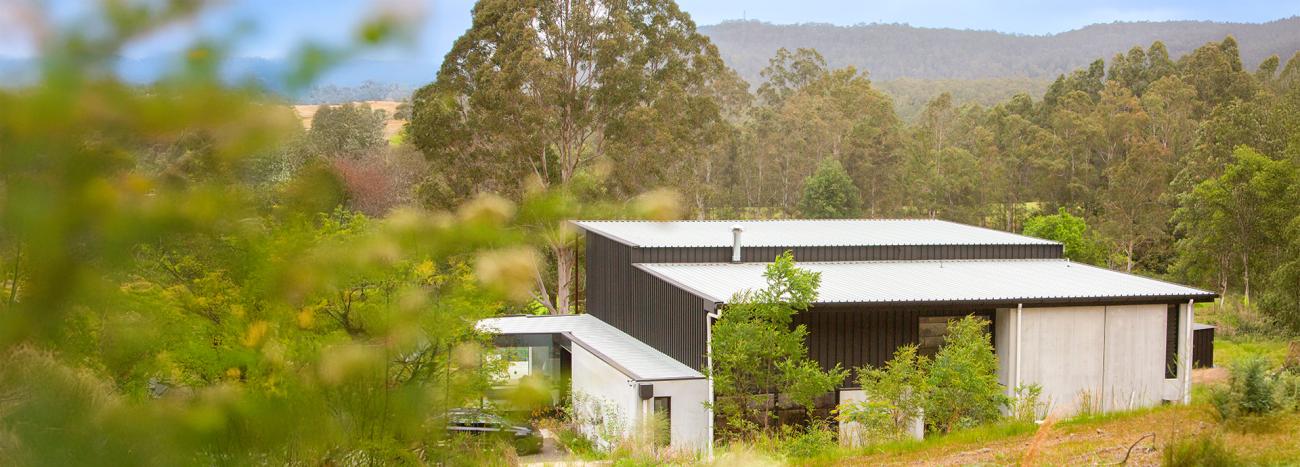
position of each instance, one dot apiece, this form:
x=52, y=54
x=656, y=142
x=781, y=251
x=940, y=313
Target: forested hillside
x=891, y=51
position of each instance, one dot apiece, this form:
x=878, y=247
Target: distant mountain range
x=892, y=51
x=909, y=62
x=352, y=81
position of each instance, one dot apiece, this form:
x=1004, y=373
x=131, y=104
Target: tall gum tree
x=536, y=89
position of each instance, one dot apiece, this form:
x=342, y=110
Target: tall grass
x=1200, y=451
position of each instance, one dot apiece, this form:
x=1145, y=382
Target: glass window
x=933, y=330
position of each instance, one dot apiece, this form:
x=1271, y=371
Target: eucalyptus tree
x=543, y=89
x=1235, y=223
x=831, y=113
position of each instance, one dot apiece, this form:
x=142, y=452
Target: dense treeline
x=910, y=95
x=1177, y=167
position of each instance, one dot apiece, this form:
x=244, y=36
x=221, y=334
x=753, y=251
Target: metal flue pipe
x=735, y=242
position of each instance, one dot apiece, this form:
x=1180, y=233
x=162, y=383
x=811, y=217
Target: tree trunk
x=565, y=262
x=1245, y=275
x=13, y=280
x=1128, y=258
x=1223, y=280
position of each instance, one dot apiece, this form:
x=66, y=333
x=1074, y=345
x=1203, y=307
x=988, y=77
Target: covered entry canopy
x=617, y=381
x=633, y=358
x=892, y=283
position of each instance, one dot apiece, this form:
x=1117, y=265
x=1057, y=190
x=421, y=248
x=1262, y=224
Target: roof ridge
x=800, y=233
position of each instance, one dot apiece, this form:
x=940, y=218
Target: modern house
x=1086, y=335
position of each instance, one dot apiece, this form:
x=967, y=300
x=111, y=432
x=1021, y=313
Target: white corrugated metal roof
x=1042, y=280
x=844, y=232
x=637, y=357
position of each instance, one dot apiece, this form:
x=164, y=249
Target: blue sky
x=278, y=25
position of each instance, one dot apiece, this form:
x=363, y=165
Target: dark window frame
x=1173, y=324
x=668, y=414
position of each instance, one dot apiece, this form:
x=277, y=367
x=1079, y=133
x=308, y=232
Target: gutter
x=1188, y=334
x=709, y=317
x=1020, y=316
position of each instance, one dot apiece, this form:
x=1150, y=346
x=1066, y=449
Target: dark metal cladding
x=663, y=316
x=855, y=337
x=847, y=253
x=1203, y=347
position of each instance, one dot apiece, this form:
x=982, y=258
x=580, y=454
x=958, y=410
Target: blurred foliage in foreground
x=169, y=300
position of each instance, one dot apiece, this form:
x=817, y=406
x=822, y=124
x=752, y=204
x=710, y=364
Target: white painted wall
x=595, y=380
x=1114, y=355
x=690, y=419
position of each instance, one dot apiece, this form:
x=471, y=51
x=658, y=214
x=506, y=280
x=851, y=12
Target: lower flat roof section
x=898, y=283
x=636, y=359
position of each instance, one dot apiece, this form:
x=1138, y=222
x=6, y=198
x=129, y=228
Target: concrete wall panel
x=1063, y=352
x=1135, y=346
x=1004, y=335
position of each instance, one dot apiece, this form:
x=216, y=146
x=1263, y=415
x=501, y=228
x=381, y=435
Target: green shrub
x=1027, y=404
x=576, y=444
x=814, y=441
x=962, y=380
x=874, y=419
x=1287, y=390
x=895, y=394
x=1200, y=451
x=791, y=442
x=1250, y=390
